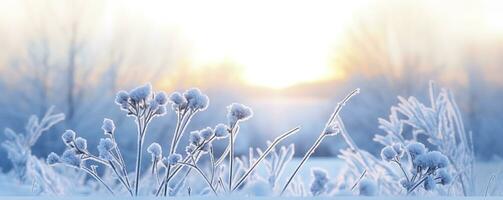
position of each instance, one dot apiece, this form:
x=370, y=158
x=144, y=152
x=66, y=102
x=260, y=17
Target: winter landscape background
x=291, y=62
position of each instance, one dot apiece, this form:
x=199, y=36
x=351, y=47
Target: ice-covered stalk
x=329, y=129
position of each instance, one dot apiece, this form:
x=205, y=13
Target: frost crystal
x=81, y=144
x=416, y=149
x=206, y=133
x=108, y=126
x=367, y=187
x=196, y=100
x=141, y=93
x=71, y=157
x=388, y=153
x=156, y=150
x=52, y=158
x=221, y=131
x=238, y=112
x=68, y=136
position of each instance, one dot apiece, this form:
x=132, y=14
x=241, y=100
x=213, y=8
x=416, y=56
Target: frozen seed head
x=195, y=138
x=71, y=157
x=179, y=102
x=81, y=144
x=173, y=159
x=108, y=126
x=161, y=98
x=221, y=131
x=238, y=112
x=444, y=176
x=141, y=93
x=104, y=148
x=68, y=136
x=388, y=153
x=196, y=100
x=155, y=150
x=190, y=149
x=367, y=187
x=106, y=144
x=206, y=133
x=53, y=158
x=429, y=183
x=152, y=104
x=320, y=181
x=416, y=149
x=122, y=98
x=432, y=159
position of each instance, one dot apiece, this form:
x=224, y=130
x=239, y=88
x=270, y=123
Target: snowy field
x=485, y=170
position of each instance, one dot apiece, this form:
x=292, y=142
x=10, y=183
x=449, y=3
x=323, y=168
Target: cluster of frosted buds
x=142, y=102
x=428, y=167
x=238, y=112
x=74, y=155
x=200, y=140
x=172, y=159
x=192, y=100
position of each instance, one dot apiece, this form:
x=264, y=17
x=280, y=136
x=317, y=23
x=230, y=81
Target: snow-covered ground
x=9, y=188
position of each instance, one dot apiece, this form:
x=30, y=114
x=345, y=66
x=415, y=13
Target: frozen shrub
x=425, y=166
x=442, y=126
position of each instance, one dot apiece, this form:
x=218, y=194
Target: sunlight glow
x=277, y=43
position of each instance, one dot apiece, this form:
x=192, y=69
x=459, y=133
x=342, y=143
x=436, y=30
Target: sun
x=276, y=43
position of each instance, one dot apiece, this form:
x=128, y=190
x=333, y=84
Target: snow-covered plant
x=427, y=168
x=442, y=125
x=332, y=127
x=144, y=105
x=28, y=168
